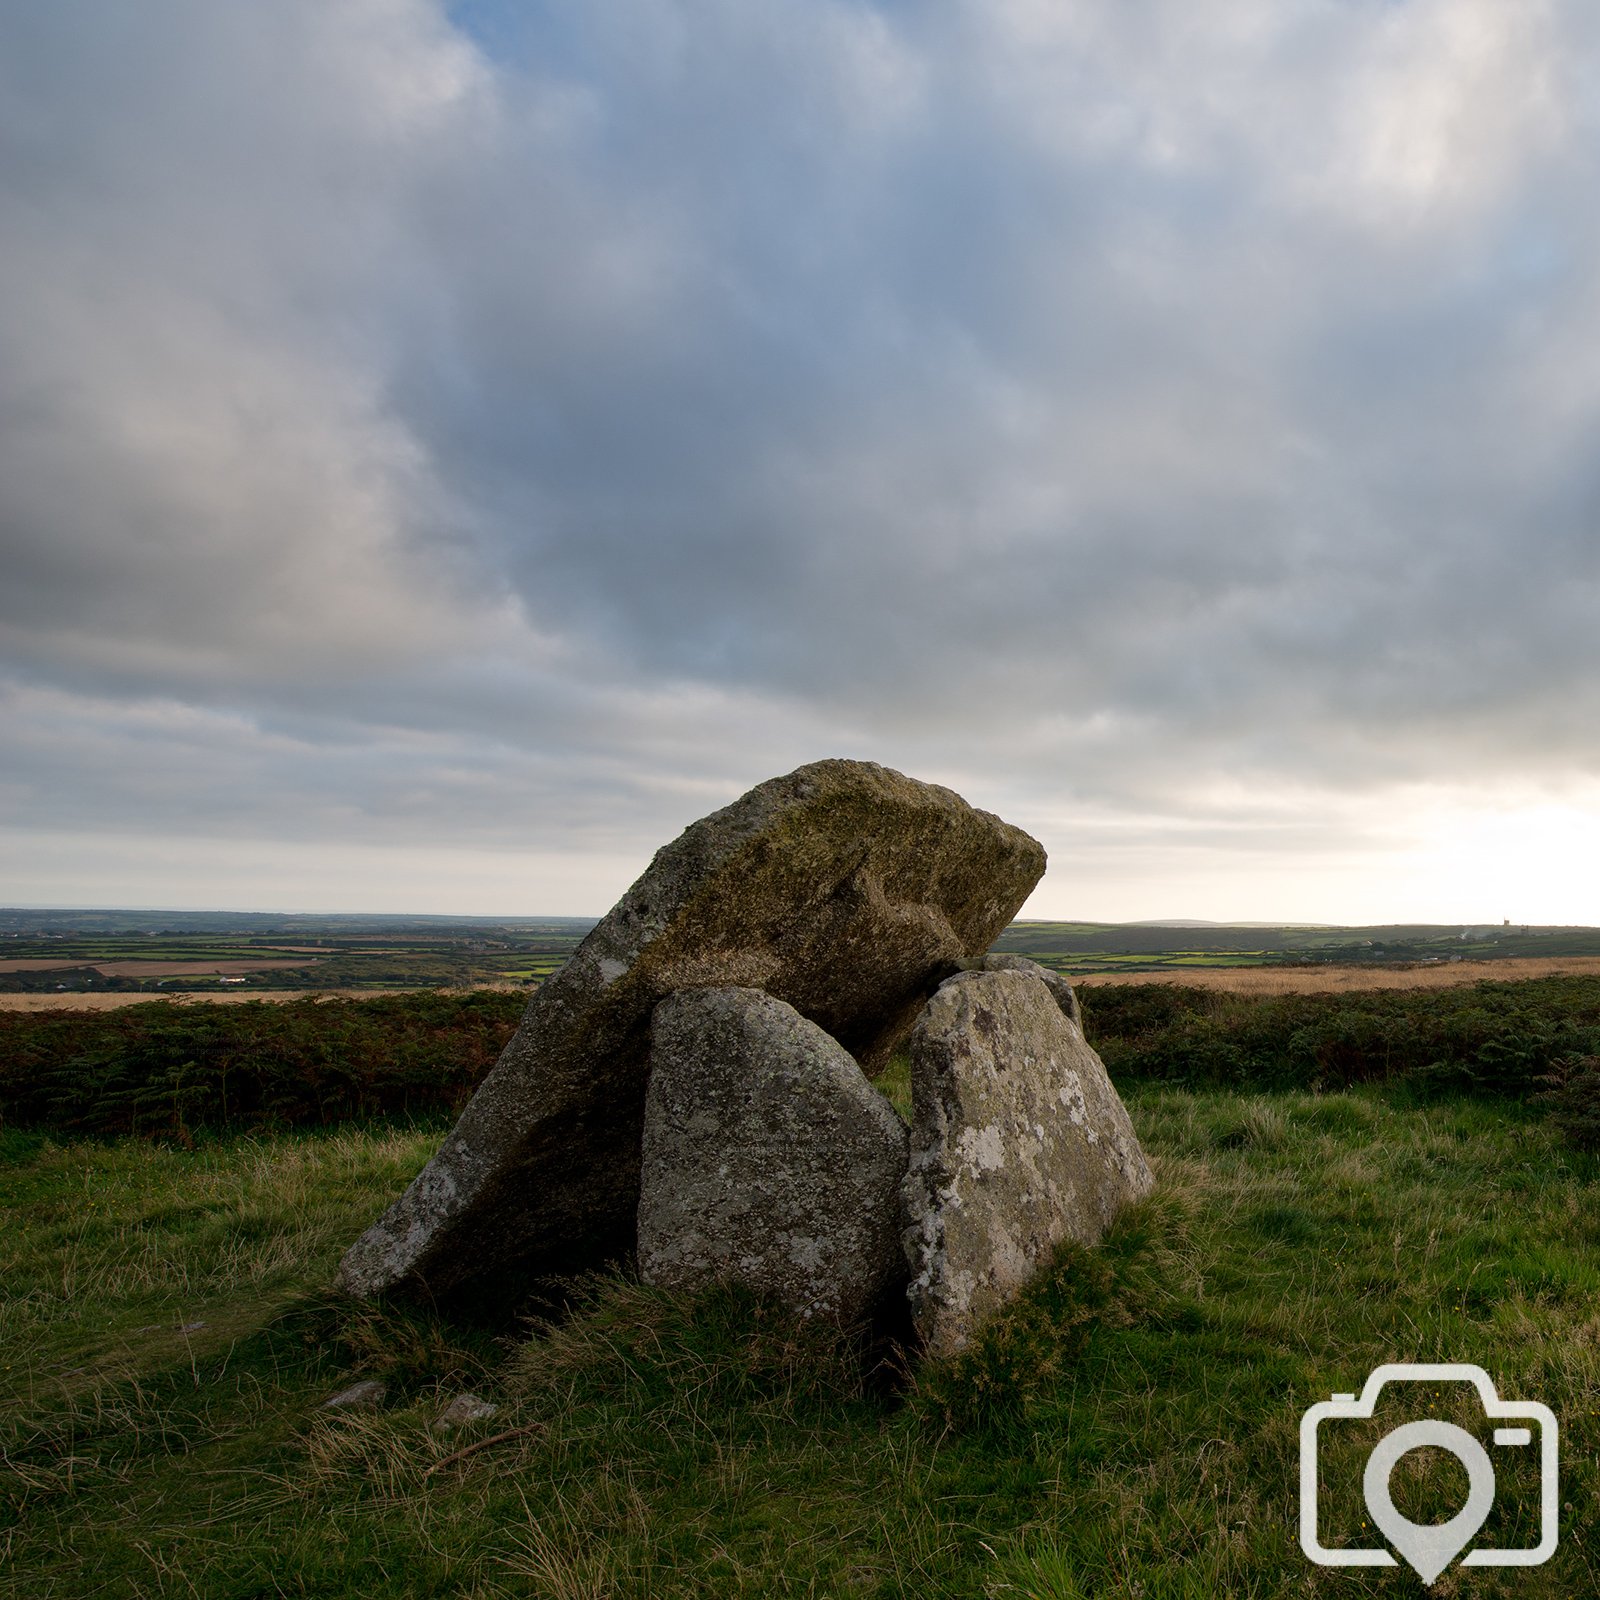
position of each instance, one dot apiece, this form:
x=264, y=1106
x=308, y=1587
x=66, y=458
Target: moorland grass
x=1128, y=1430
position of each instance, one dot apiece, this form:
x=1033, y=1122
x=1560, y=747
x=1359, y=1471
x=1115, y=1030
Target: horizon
x=1175, y=923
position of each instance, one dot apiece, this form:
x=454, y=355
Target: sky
x=446, y=449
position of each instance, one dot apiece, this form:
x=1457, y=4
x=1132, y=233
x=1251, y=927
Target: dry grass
x=139, y=968
x=1342, y=980
x=86, y=1000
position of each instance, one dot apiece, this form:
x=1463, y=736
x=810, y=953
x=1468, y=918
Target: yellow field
x=83, y=1000
x=1336, y=980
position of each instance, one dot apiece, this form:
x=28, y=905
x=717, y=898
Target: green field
x=1082, y=948
x=373, y=953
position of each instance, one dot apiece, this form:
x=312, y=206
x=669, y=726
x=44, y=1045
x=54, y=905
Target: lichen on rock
x=769, y=1160
x=1019, y=1141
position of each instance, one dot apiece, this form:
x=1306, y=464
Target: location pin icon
x=1429, y=1547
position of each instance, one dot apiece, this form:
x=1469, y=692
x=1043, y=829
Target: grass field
x=1128, y=1431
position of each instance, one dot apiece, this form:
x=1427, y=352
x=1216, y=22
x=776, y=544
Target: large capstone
x=769, y=1159
x=1018, y=1143
x=844, y=889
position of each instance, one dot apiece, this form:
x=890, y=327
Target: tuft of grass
x=894, y=1084
x=1022, y=1355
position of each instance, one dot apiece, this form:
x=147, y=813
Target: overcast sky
x=444, y=450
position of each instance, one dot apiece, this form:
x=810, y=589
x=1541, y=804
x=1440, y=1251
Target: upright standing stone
x=844, y=889
x=1018, y=1142
x=1057, y=983
x=769, y=1160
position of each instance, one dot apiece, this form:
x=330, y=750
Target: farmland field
x=82, y=958
x=116, y=999
x=1251, y=979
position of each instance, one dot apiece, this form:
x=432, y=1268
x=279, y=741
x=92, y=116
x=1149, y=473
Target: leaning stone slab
x=844, y=889
x=769, y=1160
x=1018, y=1142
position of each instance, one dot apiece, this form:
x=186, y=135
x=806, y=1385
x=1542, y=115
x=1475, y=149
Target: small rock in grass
x=463, y=1409
x=367, y=1395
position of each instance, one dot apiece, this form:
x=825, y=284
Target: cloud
x=432, y=424
x=204, y=480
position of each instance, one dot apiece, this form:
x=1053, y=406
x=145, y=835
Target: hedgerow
x=172, y=1070
x=1500, y=1039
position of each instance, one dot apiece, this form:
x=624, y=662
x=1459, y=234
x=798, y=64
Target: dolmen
x=696, y=1082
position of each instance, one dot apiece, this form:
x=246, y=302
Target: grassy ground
x=1130, y=1430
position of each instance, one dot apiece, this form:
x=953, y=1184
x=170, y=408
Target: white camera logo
x=1430, y=1547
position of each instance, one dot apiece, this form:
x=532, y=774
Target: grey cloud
x=1148, y=532
x=1104, y=396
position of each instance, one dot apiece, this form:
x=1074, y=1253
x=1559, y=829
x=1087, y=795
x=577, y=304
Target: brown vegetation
x=89, y=1000
x=101, y=1000
x=1339, y=980
x=139, y=968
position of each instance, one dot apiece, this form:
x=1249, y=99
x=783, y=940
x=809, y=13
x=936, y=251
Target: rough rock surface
x=1018, y=1142
x=367, y=1395
x=769, y=1160
x=845, y=889
x=463, y=1410
x=1065, y=997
